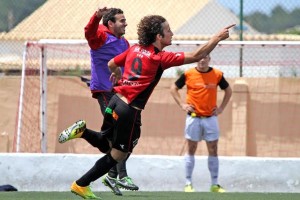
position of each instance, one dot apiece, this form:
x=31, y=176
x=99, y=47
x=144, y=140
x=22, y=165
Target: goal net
x=52, y=96
x=42, y=59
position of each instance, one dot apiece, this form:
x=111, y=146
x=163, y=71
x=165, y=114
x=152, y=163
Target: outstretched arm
x=205, y=49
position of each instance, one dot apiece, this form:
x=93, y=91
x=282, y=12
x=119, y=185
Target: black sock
x=121, y=167
x=101, y=167
x=96, y=139
x=113, y=172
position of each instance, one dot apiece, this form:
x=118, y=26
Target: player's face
x=203, y=64
x=167, y=38
x=119, y=25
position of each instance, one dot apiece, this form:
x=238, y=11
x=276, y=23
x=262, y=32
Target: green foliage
x=71, y=72
x=295, y=30
x=14, y=11
x=278, y=21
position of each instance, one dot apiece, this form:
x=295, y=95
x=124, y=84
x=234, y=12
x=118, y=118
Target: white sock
x=189, y=168
x=213, y=167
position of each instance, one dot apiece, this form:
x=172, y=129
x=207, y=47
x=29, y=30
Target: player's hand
x=116, y=76
x=101, y=11
x=217, y=111
x=224, y=33
x=188, y=108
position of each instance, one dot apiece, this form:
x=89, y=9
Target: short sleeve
x=170, y=59
x=180, y=82
x=223, y=83
x=120, y=59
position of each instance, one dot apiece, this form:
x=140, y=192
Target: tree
x=279, y=20
x=13, y=12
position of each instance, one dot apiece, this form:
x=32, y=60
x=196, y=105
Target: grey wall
x=56, y=172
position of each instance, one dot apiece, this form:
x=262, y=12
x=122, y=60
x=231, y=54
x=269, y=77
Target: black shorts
x=103, y=99
x=122, y=124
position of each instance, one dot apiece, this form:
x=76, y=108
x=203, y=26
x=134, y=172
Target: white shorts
x=197, y=129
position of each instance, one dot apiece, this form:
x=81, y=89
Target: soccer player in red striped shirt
x=143, y=64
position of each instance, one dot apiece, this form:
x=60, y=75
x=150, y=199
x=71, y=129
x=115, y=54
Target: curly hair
x=148, y=28
x=110, y=15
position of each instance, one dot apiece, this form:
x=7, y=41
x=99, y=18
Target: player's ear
x=110, y=23
x=159, y=36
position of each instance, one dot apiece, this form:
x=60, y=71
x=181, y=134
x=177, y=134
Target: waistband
x=198, y=116
x=125, y=100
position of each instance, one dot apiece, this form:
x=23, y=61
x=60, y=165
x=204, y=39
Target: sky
x=264, y=6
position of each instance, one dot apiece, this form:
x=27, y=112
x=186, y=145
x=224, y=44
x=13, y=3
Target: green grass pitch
x=150, y=196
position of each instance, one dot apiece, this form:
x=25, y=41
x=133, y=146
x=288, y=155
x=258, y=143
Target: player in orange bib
x=201, y=120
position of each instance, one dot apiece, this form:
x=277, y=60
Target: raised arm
x=90, y=30
x=206, y=48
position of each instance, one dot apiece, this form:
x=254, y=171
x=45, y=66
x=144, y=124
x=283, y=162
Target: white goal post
x=45, y=58
x=43, y=99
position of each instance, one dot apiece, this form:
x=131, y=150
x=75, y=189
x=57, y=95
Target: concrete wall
x=261, y=119
x=56, y=172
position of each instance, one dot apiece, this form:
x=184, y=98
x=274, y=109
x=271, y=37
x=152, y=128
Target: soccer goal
x=42, y=59
x=45, y=60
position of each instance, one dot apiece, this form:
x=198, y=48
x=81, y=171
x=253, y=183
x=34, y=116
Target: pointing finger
x=230, y=26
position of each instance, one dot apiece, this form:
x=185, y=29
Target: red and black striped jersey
x=143, y=68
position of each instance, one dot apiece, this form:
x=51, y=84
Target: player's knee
x=118, y=155
x=192, y=147
x=213, y=150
